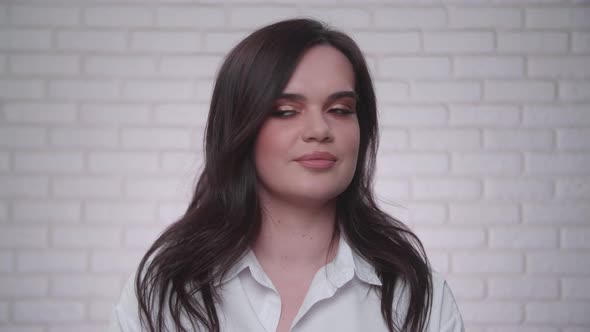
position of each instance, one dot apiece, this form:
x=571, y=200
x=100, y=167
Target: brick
x=4, y=161
x=44, y=15
x=467, y=287
x=100, y=310
x=163, y=188
x=28, y=186
x=562, y=163
x=487, y=262
x=48, y=311
x=120, y=163
x=492, y=312
x=391, y=91
x=387, y=42
x=556, y=213
x=484, y=115
x=141, y=237
x=573, y=139
x=22, y=137
x=158, y=90
x=196, y=17
x=393, y=140
x=557, y=116
x=484, y=213
x=559, y=263
x=115, y=260
x=53, y=260
x=249, y=17
x=86, y=186
x=575, y=237
x=171, y=211
x=574, y=91
x=90, y=40
x=389, y=191
x=181, y=162
x=496, y=18
x=407, y=18
x=446, y=91
x=118, y=66
x=84, y=89
x=165, y=41
x=96, y=327
x=21, y=89
x=23, y=286
x=6, y=261
x=439, y=261
x=447, y=238
x=428, y=213
x=204, y=91
x=46, y=211
x=82, y=286
x=523, y=238
x=49, y=113
x=353, y=18
x=532, y=42
x=488, y=66
x=456, y=189
x=221, y=42
x=156, y=138
x=563, y=312
x=190, y=66
x=44, y=64
x=23, y=237
x=520, y=140
x=24, y=39
x=557, y=17
x=83, y=137
x=414, y=67
x=523, y=288
x=486, y=163
x=115, y=113
x=519, y=91
x=413, y=163
x=581, y=42
x=3, y=211
x=445, y=139
x=117, y=213
x=563, y=66
x=573, y=187
x=523, y=189
x=119, y=16
x=181, y=114
x=86, y=237
x=49, y=161
x=575, y=288
x=458, y=42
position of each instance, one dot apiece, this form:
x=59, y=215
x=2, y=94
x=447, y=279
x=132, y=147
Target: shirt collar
x=346, y=260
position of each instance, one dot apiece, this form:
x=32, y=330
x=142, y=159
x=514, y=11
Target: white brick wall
x=485, y=127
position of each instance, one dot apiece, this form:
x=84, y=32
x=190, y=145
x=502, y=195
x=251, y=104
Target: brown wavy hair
x=176, y=276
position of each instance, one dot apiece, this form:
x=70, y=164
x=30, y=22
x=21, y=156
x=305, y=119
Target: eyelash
x=288, y=113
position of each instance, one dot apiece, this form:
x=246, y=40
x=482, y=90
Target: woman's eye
x=283, y=113
x=341, y=111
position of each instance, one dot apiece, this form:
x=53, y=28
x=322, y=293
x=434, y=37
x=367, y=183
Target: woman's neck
x=295, y=237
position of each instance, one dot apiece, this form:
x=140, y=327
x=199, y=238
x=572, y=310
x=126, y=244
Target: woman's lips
x=317, y=160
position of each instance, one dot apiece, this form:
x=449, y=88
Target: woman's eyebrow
x=334, y=96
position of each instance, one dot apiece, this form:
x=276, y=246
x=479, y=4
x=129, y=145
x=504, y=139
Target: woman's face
x=306, y=150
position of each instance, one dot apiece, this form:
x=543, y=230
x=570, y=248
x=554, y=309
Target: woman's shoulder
x=444, y=315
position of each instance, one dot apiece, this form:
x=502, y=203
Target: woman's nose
x=317, y=127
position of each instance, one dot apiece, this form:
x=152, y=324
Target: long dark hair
x=176, y=277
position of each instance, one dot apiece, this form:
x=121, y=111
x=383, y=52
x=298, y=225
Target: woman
x=283, y=232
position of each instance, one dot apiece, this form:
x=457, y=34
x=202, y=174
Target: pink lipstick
x=317, y=160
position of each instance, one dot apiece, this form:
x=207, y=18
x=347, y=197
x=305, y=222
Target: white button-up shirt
x=338, y=299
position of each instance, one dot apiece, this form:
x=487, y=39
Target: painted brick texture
x=485, y=144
